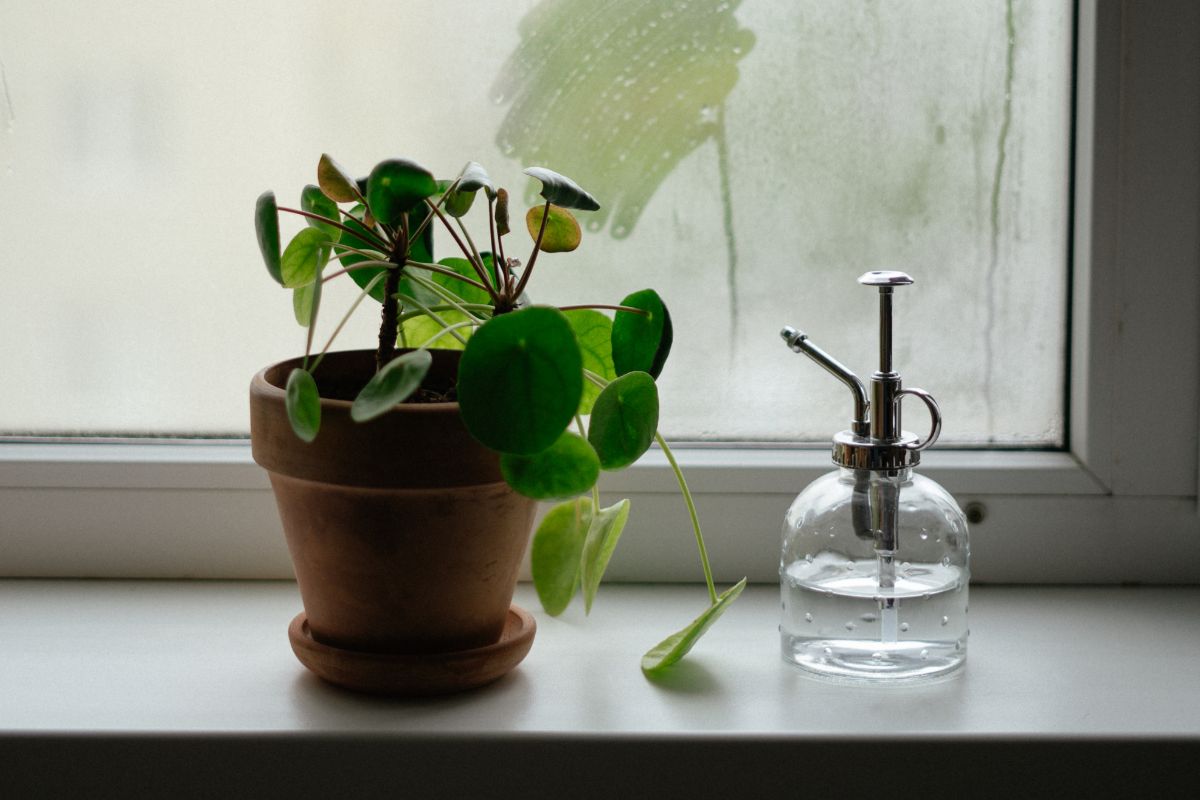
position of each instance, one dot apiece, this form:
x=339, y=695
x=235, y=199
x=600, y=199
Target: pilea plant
x=560, y=393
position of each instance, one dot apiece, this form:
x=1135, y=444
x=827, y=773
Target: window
x=1129, y=468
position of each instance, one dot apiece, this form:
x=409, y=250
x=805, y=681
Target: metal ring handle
x=935, y=414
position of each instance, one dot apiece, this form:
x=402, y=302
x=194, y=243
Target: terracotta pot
x=404, y=537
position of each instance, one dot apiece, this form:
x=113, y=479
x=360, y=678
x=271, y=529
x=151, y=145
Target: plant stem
x=496, y=255
x=407, y=315
x=389, y=325
x=449, y=297
x=346, y=317
x=537, y=248
x=474, y=250
x=449, y=330
x=448, y=272
x=630, y=309
x=691, y=506
x=334, y=223
x=433, y=315
x=361, y=265
x=475, y=264
x=348, y=250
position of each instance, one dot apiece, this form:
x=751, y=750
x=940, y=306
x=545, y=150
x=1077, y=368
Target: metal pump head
x=875, y=440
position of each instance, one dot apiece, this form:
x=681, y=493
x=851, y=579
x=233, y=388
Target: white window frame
x=1119, y=505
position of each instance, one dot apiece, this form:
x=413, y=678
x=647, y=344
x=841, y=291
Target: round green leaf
x=566, y=468
x=624, y=420
x=335, y=182
x=593, y=331
x=304, y=257
x=554, y=555
x=314, y=201
x=305, y=302
x=266, y=227
x=562, y=191
x=395, y=186
x=598, y=547
x=677, y=645
x=393, y=384
x=520, y=380
x=562, y=234
x=303, y=404
x=642, y=341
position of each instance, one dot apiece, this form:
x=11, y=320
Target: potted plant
x=407, y=478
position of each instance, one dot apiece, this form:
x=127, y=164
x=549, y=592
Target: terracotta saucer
x=415, y=674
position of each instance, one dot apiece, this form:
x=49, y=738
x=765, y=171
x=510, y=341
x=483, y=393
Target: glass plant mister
x=874, y=566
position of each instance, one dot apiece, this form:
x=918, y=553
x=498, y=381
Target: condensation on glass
x=752, y=158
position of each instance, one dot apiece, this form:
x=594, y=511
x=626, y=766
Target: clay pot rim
x=261, y=383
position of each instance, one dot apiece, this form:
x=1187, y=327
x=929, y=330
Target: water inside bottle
x=874, y=619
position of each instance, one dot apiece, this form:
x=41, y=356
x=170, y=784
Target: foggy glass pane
x=752, y=159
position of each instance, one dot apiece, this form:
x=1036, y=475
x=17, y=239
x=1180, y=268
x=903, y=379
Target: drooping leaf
x=593, y=331
x=562, y=234
x=642, y=341
x=266, y=227
x=393, y=384
x=520, y=380
x=304, y=257
x=395, y=186
x=474, y=177
x=420, y=331
x=602, y=536
x=314, y=201
x=677, y=645
x=303, y=404
x=305, y=302
x=566, y=468
x=624, y=420
x=501, y=214
x=458, y=202
x=336, y=184
x=562, y=191
x=556, y=551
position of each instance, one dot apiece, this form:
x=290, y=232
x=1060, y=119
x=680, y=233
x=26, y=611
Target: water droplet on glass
x=808, y=557
x=850, y=625
x=868, y=617
x=926, y=596
x=498, y=98
x=620, y=230
x=808, y=617
x=945, y=561
x=924, y=536
x=924, y=654
x=904, y=626
x=945, y=621
x=877, y=656
x=828, y=651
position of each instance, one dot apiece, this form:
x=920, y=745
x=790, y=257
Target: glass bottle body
x=874, y=574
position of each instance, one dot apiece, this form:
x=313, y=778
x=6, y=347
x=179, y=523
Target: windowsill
x=93, y=667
